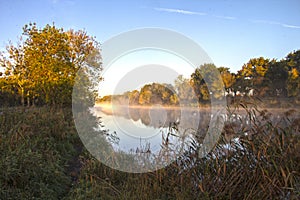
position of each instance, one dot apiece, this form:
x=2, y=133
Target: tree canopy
x=259, y=77
x=42, y=68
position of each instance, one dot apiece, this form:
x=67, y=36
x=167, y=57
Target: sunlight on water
x=138, y=127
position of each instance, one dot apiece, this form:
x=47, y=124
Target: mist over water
x=137, y=127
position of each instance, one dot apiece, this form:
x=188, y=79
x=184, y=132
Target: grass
x=41, y=158
x=36, y=145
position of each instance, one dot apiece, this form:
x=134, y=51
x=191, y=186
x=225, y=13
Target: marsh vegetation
x=39, y=147
x=257, y=155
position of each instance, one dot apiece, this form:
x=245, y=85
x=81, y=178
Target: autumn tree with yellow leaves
x=43, y=66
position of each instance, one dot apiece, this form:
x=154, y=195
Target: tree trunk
x=28, y=101
x=33, y=101
x=22, y=97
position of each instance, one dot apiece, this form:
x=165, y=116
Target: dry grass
x=37, y=145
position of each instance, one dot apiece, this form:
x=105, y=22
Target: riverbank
x=40, y=159
x=236, y=109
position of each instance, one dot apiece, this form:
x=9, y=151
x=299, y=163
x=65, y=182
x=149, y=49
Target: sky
x=230, y=31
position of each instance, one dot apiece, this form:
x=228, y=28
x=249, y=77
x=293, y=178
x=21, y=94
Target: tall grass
x=257, y=157
x=36, y=145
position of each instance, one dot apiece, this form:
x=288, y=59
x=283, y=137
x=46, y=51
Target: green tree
x=252, y=77
x=184, y=89
x=15, y=69
x=134, y=97
x=145, y=95
x=161, y=93
x=228, y=78
x=293, y=83
x=47, y=61
x=276, y=79
x=207, y=83
x=9, y=94
x=157, y=93
x=199, y=86
x=174, y=99
x=44, y=66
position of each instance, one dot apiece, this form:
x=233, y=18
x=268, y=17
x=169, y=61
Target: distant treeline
x=259, y=77
x=41, y=70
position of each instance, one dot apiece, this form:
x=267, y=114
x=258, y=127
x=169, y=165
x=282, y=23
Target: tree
x=174, y=99
x=293, y=64
x=276, y=79
x=145, y=95
x=156, y=93
x=134, y=97
x=47, y=62
x=184, y=90
x=228, y=78
x=207, y=83
x=9, y=95
x=252, y=77
x=199, y=86
x=15, y=70
x=44, y=66
x=161, y=93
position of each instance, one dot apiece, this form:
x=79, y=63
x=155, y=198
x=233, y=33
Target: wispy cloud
x=275, y=23
x=185, y=12
x=225, y=17
x=290, y=26
x=188, y=12
x=260, y=21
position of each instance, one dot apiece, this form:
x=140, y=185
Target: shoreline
x=206, y=108
x=108, y=105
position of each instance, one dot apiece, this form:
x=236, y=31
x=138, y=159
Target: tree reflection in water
x=143, y=130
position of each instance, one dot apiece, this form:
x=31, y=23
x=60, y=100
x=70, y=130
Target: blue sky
x=231, y=32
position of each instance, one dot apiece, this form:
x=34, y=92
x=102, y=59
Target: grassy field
x=42, y=157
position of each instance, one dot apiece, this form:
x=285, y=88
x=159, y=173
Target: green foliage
x=276, y=79
x=36, y=145
x=252, y=76
x=259, y=163
x=43, y=67
x=134, y=97
x=264, y=78
x=262, y=164
x=228, y=78
x=184, y=91
x=293, y=83
x=145, y=95
x=207, y=83
x=259, y=77
x=149, y=94
x=257, y=157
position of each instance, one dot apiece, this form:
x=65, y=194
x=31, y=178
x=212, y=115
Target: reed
x=257, y=157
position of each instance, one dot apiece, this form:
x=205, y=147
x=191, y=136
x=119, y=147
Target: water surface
x=147, y=127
